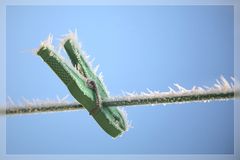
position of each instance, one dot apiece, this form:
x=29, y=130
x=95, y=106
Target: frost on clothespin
x=83, y=83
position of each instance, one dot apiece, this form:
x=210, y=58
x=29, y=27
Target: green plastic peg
x=84, y=85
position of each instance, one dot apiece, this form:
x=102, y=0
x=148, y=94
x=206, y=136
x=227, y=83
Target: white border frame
x=5, y=3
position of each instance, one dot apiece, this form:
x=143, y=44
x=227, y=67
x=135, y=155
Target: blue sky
x=137, y=47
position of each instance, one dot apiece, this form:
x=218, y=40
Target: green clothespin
x=84, y=85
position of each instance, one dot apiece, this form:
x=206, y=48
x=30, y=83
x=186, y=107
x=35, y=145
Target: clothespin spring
x=92, y=84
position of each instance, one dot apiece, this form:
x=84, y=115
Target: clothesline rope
x=222, y=90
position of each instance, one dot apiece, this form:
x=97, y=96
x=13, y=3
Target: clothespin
x=84, y=85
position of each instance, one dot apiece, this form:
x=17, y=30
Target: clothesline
x=151, y=98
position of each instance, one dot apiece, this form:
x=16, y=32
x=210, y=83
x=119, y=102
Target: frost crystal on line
x=174, y=95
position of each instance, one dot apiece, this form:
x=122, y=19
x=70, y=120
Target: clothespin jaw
x=84, y=85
